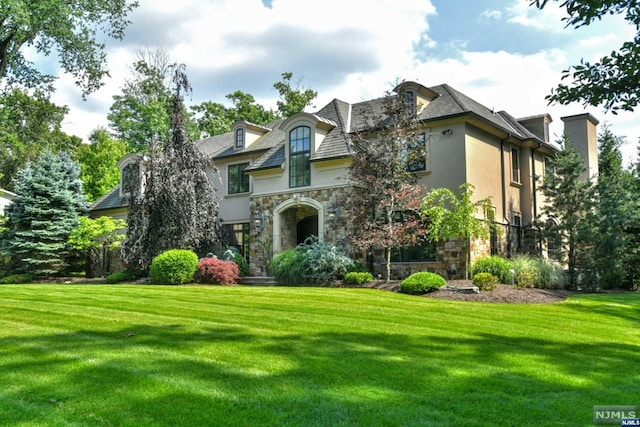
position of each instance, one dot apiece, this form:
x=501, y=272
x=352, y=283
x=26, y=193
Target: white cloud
x=491, y=15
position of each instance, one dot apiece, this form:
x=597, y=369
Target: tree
x=97, y=237
x=43, y=214
x=613, y=81
x=451, y=216
x=292, y=100
x=69, y=27
x=99, y=163
x=178, y=208
x=141, y=113
x=613, y=210
x=568, y=213
x=386, y=197
x=29, y=124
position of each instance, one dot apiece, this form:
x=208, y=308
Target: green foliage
x=75, y=29
x=611, y=81
x=292, y=99
x=286, y=267
x=121, y=276
x=43, y=215
x=16, y=279
x=496, y=265
x=95, y=238
x=551, y=276
x=526, y=270
x=485, y=281
x=569, y=211
x=174, y=267
x=422, y=283
x=312, y=262
x=452, y=216
x=359, y=267
x=219, y=271
x=99, y=163
x=358, y=278
x=30, y=124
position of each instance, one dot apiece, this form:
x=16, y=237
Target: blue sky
x=503, y=53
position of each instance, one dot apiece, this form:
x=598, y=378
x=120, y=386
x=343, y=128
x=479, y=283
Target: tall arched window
x=299, y=157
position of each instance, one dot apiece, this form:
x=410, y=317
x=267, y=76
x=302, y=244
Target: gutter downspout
x=504, y=180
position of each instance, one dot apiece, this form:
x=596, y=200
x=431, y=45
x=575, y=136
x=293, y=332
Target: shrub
x=286, y=267
x=233, y=254
x=422, y=283
x=121, y=276
x=174, y=267
x=219, y=271
x=312, y=262
x=358, y=278
x=496, y=265
x=358, y=267
x=16, y=279
x=485, y=281
x=526, y=272
x=551, y=276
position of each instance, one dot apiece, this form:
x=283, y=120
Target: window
x=420, y=253
x=299, y=157
x=416, y=156
x=515, y=165
x=240, y=138
x=237, y=236
x=409, y=100
x=548, y=168
x=238, y=179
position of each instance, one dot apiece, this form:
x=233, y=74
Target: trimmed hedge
x=358, y=278
x=485, y=281
x=174, y=267
x=421, y=283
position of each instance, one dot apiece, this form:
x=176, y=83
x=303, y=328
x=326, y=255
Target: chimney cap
x=582, y=116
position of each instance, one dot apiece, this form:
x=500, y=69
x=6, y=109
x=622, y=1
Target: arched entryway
x=295, y=220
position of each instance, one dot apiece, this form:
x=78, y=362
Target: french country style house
x=281, y=183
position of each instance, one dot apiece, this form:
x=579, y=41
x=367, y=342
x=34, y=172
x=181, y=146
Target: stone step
x=258, y=280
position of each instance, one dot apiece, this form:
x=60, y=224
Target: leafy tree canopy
x=68, y=26
x=613, y=81
x=29, y=125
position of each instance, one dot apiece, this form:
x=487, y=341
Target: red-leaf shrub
x=214, y=270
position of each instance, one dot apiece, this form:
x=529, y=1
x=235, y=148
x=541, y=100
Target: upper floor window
x=240, y=138
x=515, y=165
x=300, y=156
x=238, y=179
x=417, y=155
x=409, y=100
x=130, y=179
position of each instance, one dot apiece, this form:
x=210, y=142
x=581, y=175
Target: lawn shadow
x=173, y=375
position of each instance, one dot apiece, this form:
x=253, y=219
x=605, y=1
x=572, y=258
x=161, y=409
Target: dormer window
x=239, y=138
x=410, y=102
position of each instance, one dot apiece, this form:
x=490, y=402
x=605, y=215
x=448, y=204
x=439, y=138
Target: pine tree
x=569, y=213
x=613, y=210
x=178, y=208
x=46, y=210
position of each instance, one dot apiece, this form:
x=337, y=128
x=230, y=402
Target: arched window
x=299, y=157
x=240, y=138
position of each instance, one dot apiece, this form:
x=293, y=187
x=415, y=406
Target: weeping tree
x=176, y=205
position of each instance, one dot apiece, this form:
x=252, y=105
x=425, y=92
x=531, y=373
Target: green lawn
x=242, y=356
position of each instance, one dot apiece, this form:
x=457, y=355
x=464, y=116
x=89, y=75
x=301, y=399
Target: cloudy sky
x=502, y=53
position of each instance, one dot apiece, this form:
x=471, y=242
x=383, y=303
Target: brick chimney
x=582, y=131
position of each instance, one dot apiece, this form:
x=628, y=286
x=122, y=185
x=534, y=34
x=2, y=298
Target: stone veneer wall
x=261, y=246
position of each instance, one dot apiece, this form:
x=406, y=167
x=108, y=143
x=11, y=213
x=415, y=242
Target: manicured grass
x=244, y=356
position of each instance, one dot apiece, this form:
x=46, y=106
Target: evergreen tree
x=613, y=211
x=178, y=208
x=631, y=227
x=46, y=210
x=568, y=213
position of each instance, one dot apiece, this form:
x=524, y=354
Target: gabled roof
x=111, y=200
